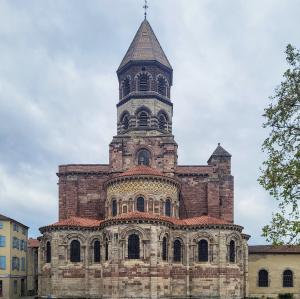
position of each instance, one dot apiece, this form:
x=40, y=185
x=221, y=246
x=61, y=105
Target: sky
x=59, y=90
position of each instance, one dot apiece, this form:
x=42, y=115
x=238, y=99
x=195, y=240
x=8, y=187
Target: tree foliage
x=281, y=170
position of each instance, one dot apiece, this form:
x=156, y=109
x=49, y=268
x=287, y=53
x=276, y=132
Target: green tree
x=281, y=170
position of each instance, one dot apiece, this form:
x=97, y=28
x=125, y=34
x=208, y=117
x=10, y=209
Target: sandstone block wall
x=149, y=276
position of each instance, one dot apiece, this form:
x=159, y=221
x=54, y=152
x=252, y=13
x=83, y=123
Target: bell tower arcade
x=144, y=111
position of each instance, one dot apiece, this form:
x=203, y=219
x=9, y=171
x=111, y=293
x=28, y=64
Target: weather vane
x=145, y=7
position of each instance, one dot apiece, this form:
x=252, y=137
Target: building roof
x=141, y=170
x=275, y=249
x=145, y=47
x=201, y=220
x=219, y=152
x=76, y=222
x=33, y=243
x=5, y=218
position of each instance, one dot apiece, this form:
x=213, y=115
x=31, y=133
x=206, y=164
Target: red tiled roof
x=141, y=170
x=90, y=223
x=204, y=220
x=201, y=220
x=76, y=222
x=274, y=249
x=33, y=242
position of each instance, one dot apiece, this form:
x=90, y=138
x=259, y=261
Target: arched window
x=75, y=251
x=106, y=249
x=133, y=247
x=164, y=249
x=168, y=207
x=203, y=251
x=143, y=157
x=177, y=251
x=231, y=251
x=143, y=118
x=114, y=207
x=140, y=204
x=48, y=252
x=143, y=82
x=126, y=87
x=287, y=279
x=125, y=121
x=263, y=278
x=162, y=121
x=97, y=256
x=162, y=86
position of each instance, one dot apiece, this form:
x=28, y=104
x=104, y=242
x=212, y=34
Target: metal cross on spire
x=145, y=7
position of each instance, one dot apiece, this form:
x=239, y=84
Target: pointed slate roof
x=219, y=152
x=145, y=47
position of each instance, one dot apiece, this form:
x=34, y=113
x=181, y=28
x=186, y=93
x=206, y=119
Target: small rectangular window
x=3, y=262
x=2, y=241
x=1, y=224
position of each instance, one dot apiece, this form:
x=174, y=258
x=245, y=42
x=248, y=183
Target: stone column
x=153, y=262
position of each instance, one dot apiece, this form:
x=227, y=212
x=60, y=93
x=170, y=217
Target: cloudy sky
x=58, y=89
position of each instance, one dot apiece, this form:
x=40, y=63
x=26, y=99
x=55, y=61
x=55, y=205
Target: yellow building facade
x=13, y=258
x=274, y=271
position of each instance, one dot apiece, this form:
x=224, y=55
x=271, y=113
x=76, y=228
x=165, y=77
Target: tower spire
x=145, y=8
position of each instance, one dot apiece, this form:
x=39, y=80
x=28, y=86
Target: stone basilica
x=143, y=226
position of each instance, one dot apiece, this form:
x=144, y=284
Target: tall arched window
x=203, y=251
x=263, y=278
x=133, y=247
x=162, y=86
x=75, y=251
x=126, y=87
x=106, y=249
x=125, y=121
x=164, y=249
x=143, y=118
x=143, y=82
x=97, y=256
x=48, y=252
x=232, y=252
x=168, y=207
x=287, y=279
x=143, y=157
x=114, y=207
x=140, y=204
x=177, y=251
x=162, y=122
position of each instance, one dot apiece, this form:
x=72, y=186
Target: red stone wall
x=81, y=191
x=205, y=190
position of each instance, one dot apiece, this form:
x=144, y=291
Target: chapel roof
x=141, y=170
x=77, y=222
x=145, y=47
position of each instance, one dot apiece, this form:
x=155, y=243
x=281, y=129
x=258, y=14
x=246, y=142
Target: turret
x=221, y=159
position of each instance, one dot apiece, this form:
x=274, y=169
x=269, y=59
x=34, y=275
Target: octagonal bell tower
x=145, y=111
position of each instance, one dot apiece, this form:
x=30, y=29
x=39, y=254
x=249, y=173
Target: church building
x=143, y=226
